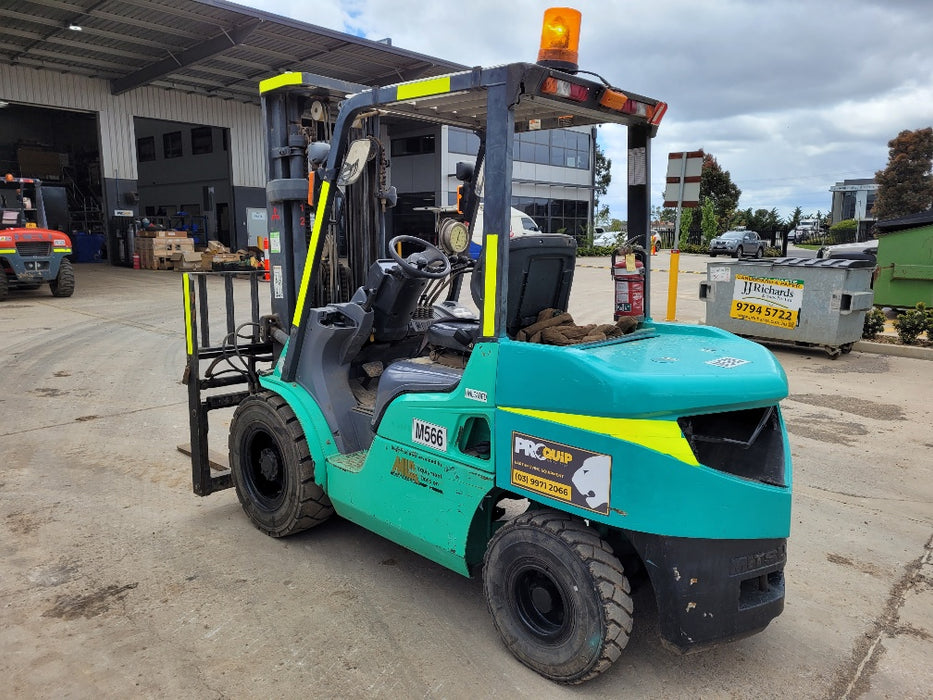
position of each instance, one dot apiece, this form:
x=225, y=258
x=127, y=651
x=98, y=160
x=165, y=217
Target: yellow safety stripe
x=662, y=436
x=489, y=285
x=312, y=248
x=8, y=251
x=61, y=250
x=423, y=88
x=279, y=81
x=189, y=331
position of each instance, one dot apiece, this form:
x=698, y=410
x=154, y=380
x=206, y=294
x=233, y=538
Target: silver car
x=737, y=244
x=866, y=250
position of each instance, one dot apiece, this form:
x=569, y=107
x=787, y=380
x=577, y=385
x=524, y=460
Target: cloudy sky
x=790, y=96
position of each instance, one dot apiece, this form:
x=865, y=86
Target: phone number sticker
x=768, y=300
x=564, y=472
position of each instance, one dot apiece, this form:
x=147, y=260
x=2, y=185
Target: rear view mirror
x=357, y=155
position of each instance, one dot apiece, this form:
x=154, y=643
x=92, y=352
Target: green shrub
x=874, y=323
x=694, y=248
x=911, y=324
x=593, y=251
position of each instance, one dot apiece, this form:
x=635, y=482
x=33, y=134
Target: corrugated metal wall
x=117, y=139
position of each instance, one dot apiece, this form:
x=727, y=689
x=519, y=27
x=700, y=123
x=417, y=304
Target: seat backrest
x=540, y=277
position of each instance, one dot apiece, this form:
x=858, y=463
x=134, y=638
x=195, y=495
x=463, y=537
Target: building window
x=171, y=145
x=462, y=141
x=559, y=147
x=413, y=145
x=569, y=216
x=202, y=140
x=145, y=149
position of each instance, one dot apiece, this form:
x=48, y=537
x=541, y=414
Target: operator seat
x=540, y=277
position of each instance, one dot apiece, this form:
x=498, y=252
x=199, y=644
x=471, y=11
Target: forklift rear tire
x=558, y=596
x=64, y=283
x=272, y=468
x=4, y=284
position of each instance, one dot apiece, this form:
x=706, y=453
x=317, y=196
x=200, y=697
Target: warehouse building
x=150, y=109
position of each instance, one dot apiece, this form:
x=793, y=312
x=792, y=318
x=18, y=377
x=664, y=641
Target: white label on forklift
x=275, y=241
x=429, y=434
x=476, y=395
x=278, y=286
x=719, y=274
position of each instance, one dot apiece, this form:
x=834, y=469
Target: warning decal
x=563, y=472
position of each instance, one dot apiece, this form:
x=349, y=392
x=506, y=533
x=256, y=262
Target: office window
x=145, y=149
x=462, y=141
x=202, y=140
x=559, y=147
x=413, y=145
x=171, y=145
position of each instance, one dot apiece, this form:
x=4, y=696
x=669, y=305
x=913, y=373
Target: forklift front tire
x=64, y=283
x=558, y=596
x=272, y=468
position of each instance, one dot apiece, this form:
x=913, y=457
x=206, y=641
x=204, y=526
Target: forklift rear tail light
x=613, y=99
x=660, y=109
x=563, y=88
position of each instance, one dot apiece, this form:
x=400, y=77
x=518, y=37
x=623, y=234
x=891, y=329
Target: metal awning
x=205, y=47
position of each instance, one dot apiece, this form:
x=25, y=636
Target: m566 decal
x=561, y=471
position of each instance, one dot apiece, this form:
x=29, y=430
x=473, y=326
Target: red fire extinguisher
x=629, y=290
x=135, y=261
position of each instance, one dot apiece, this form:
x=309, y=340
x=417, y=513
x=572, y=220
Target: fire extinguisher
x=135, y=261
x=629, y=290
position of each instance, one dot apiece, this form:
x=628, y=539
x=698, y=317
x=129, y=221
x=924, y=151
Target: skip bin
x=803, y=301
x=905, y=261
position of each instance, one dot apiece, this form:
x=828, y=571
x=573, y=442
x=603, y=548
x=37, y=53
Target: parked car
x=605, y=238
x=865, y=250
x=737, y=244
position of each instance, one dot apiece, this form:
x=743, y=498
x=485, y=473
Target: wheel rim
x=265, y=469
x=541, y=604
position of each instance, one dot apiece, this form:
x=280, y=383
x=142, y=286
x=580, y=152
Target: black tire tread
x=4, y=285
x=314, y=507
x=606, y=570
x=64, y=283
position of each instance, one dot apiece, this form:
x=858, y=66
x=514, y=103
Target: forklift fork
x=226, y=366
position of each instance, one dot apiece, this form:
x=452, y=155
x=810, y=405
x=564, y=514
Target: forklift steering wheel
x=423, y=263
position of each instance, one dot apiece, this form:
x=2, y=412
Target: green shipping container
x=905, y=261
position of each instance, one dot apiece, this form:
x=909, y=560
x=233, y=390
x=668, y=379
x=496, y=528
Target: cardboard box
x=208, y=259
x=156, y=253
x=161, y=233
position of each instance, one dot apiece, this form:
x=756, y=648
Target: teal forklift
x=555, y=472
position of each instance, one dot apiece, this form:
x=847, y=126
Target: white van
x=520, y=224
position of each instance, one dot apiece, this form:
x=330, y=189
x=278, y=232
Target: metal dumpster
x=803, y=301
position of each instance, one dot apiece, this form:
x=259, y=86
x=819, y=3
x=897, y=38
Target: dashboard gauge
x=453, y=236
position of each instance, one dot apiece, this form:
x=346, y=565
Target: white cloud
x=789, y=96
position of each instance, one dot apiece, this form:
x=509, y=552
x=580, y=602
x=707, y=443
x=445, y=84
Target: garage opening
x=184, y=180
x=61, y=148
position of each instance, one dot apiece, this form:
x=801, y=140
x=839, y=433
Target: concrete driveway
x=116, y=581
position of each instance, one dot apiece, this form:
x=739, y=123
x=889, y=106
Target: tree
x=603, y=177
x=686, y=219
x=905, y=186
x=708, y=223
x=795, y=218
x=717, y=184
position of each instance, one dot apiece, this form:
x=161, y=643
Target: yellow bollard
x=672, y=285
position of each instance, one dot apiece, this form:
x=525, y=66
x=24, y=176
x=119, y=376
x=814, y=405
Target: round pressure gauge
x=453, y=236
